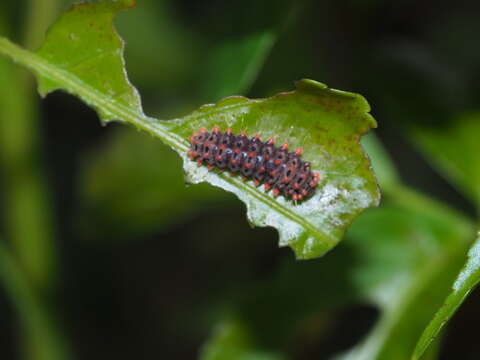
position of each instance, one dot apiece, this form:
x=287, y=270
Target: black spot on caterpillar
x=283, y=172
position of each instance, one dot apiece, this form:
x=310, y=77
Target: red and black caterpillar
x=282, y=171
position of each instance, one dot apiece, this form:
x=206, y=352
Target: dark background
x=134, y=288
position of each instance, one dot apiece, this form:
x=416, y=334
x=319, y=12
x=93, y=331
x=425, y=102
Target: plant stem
x=29, y=223
x=30, y=278
x=37, y=321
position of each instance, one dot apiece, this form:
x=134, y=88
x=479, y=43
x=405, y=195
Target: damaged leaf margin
x=83, y=55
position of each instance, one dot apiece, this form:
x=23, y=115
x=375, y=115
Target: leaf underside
x=83, y=55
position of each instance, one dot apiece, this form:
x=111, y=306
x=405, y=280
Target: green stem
x=29, y=223
x=37, y=321
x=27, y=217
x=30, y=279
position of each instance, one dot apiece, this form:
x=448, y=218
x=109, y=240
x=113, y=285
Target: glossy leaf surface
x=83, y=55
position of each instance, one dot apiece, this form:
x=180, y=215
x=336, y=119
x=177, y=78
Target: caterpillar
x=283, y=172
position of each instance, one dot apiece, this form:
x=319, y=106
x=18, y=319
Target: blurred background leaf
x=28, y=253
x=232, y=341
x=44, y=339
x=235, y=65
x=149, y=186
x=401, y=260
x=466, y=281
x=454, y=150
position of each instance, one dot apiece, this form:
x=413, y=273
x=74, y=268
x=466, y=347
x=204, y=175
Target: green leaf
x=234, y=66
x=327, y=124
x=156, y=28
x=132, y=205
x=454, y=150
x=466, y=281
x=233, y=341
x=83, y=55
x=409, y=259
x=398, y=260
x=402, y=258
x=401, y=261
x=83, y=45
x=137, y=203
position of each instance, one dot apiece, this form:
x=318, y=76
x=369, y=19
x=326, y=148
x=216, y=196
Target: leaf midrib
x=93, y=97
